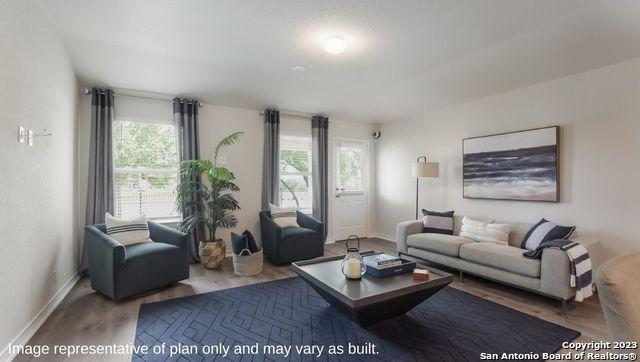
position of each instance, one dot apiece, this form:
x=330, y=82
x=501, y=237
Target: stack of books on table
x=381, y=261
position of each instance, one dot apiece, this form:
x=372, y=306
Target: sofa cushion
x=503, y=257
x=480, y=270
x=150, y=251
x=298, y=244
x=150, y=266
x=297, y=233
x=438, y=243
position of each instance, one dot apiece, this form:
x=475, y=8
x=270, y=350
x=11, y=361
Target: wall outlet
x=22, y=134
x=30, y=138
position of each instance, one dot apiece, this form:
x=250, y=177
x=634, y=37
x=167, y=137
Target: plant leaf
x=219, y=173
x=187, y=224
x=225, y=142
x=211, y=203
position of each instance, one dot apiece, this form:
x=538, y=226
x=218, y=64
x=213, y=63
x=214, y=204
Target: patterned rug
x=450, y=326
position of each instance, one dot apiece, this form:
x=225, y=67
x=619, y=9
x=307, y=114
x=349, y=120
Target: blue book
x=382, y=260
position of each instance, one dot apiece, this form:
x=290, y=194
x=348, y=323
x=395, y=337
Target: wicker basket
x=247, y=264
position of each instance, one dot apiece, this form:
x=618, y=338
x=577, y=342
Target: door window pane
x=350, y=172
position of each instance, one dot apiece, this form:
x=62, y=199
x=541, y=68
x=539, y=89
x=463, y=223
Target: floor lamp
x=422, y=168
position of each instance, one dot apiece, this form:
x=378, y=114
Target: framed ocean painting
x=520, y=165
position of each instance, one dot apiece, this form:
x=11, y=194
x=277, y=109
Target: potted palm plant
x=205, y=197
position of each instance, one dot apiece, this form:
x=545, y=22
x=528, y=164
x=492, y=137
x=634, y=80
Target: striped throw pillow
x=437, y=222
x=285, y=217
x=545, y=230
x=128, y=232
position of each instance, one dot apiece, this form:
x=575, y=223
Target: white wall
x=599, y=116
x=245, y=158
x=37, y=185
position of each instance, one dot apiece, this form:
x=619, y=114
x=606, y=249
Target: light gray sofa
x=548, y=276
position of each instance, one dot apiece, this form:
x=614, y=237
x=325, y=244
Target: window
x=295, y=173
x=145, y=170
x=350, y=157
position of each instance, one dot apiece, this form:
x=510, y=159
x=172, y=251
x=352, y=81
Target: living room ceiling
x=402, y=57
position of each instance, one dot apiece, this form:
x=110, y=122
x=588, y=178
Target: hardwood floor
x=86, y=317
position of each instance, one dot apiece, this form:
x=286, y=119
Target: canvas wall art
x=512, y=166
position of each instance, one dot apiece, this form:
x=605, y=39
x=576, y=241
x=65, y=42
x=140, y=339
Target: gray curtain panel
x=319, y=168
x=185, y=118
x=271, y=159
x=100, y=182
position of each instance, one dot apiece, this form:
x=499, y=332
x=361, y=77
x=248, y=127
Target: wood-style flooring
x=86, y=317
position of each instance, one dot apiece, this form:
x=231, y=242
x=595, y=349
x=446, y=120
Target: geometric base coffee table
x=370, y=299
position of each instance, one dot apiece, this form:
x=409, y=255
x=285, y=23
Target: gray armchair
x=618, y=282
x=120, y=272
x=285, y=246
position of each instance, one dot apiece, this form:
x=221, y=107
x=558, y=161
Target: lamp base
x=417, y=180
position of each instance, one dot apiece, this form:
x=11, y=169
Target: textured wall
x=38, y=241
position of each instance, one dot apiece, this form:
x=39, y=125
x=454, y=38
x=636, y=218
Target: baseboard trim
x=32, y=327
x=384, y=236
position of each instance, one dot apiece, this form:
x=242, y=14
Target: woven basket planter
x=247, y=264
x=212, y=253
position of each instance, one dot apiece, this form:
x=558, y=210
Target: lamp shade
x=425, y=169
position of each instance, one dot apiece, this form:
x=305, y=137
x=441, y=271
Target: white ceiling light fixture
x=335, y=45
x=297, y=69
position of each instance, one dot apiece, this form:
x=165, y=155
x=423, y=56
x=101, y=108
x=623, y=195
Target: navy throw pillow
x=545, y=230
x=251, y=241
x=239, y=243
x=437, y=222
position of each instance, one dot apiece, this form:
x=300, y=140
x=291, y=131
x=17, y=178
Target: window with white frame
x=145, y=162
x=295, y=173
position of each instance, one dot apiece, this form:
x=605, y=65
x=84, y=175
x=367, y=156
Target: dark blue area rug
x=450, y=326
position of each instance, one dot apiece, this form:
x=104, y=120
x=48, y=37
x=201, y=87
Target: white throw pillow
x=128, y=232
x=485, y=232
x=285, y=217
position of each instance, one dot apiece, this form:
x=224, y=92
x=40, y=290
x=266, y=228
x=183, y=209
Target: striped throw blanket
x=579, y=264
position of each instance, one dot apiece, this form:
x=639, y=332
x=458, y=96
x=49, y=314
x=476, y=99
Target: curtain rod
x=88, y=91
x=295, y=114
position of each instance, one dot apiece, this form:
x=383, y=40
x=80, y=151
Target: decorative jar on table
x=353, y=266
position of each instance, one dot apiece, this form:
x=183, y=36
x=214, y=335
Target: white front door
x=350, y=188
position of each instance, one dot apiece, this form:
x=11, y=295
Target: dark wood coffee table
x=368, y=300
